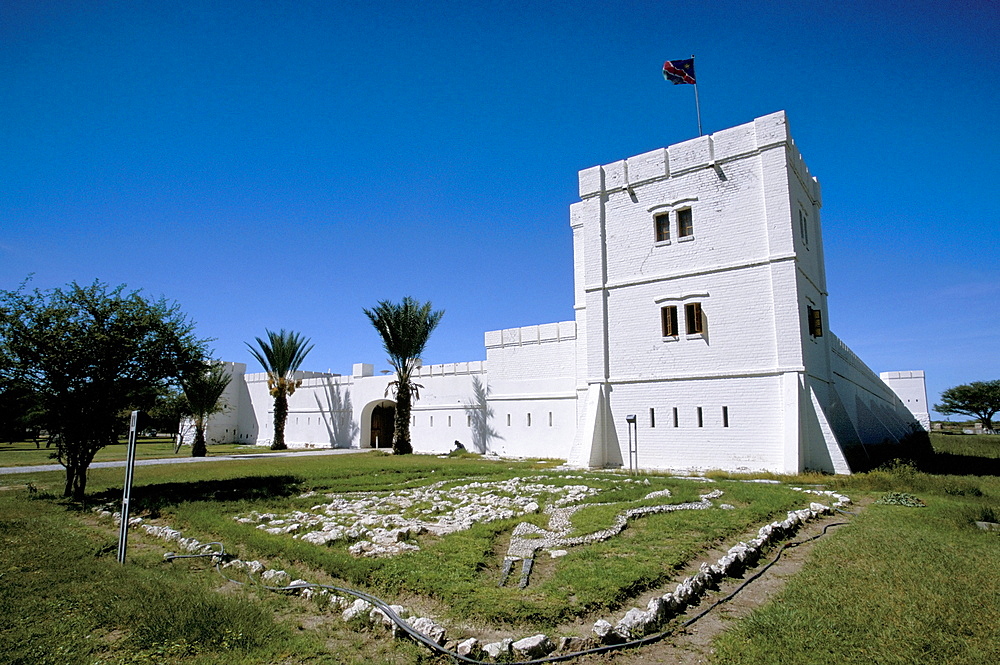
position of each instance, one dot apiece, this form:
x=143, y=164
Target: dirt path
x=692, y=645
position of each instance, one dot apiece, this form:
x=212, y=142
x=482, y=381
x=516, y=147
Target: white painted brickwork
x=753, y=261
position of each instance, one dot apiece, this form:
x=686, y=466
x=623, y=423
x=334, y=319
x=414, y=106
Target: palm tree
x=405, y=329
x=203, y=396
x=280, y=356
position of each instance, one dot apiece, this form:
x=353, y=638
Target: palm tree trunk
x=401, y=435
x=198, y=448
x=280, y=416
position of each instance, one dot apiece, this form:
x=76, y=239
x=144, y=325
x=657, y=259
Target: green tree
x=979, y=399
x=281, y=356
x=405, y=329
x=203, y=393
x=91, y=353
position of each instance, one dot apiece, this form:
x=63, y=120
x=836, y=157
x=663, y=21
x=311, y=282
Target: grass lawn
x=898, y=585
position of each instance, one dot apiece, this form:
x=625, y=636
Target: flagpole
x=697, y=104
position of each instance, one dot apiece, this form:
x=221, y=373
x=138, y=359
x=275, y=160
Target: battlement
x=540, y=334
x=703, y=152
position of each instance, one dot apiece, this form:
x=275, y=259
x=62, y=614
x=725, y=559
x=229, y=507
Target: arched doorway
x=382, y=425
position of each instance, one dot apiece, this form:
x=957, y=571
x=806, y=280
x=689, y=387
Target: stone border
x=635, y=624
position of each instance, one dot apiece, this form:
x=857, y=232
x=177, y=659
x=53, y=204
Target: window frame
x=669, y=323
x=661, y=227
x=814, y=321
x=694, y=318
x=685, y=223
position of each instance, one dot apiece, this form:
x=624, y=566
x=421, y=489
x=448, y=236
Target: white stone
x=359, y=607
x=429, y=628
x=535, y=646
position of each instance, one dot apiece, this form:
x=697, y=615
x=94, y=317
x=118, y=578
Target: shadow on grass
x=251, y=488
x=959, y=465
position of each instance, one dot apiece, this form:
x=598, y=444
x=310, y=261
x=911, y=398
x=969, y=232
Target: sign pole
x=127, y=492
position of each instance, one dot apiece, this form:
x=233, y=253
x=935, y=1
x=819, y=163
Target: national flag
x=679, y=71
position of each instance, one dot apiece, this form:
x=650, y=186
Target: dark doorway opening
x=383, y=426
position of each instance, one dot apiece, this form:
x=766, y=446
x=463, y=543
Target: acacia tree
x=979, y=399
x=405, y=329
x=281, y=356
x=203, y=397
x=91, y=353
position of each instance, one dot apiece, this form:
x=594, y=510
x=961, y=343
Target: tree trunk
x=280, y=416
x=401, y=436
x=198, y=448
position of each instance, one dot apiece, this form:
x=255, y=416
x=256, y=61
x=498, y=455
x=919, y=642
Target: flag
x=679, y=71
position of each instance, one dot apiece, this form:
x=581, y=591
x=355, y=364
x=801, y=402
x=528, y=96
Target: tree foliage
x=90, y=353
x=979, y=399
x=404, y=329
x=203, y=391
x=281, y=356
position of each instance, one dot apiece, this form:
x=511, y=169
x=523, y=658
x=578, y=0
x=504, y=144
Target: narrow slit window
x=529, y=420
x=668, y=320
x=550, y=419
x=468, y=421
x=508, y=420
x=652, y=417
x=694, y=318
x=815, y=321
x=804, y=226
x=676, y=420
x=449, y=421
x=725, y=416
x=432, y=421
x=661, y=227
x=685, y=223
x=701, y=417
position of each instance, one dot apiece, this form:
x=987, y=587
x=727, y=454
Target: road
x=181, y=460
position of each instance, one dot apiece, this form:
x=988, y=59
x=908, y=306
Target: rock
x=469, y=648
x=532, y=647
x=360, y=607
x=497, y=649
x=568, y=643
x=429, y=628
x=277, y=578
x=301, y=585
x=253, y=567
x=602, y=630
x=634, y=624
x=555, y=554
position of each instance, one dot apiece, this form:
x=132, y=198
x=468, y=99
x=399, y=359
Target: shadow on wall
x=480, y=415
x=340, y=426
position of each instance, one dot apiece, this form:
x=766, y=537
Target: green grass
x=899, y=585
x=24, y=453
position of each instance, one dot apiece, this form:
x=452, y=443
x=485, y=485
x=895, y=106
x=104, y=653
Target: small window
x=685, y=223
x=432, y=421
x=508, y=420
x=815, y=317
x=468, y=421
x=652, y=417
x=694, y=318
x=529, y=420
x=550, y=419
x=449, y=421
x=725, y=416
x=701, y=417
x=676, y=420
x=661, y=227
x=668, y=320
x=804, y=226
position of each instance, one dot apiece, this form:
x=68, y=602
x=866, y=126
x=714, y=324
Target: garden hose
x=403, y=626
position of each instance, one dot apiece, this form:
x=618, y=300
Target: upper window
x=694, y=318
x=804, y=226
x=668, y=318
x=815, y=317
x=685, y=224
x=661, y=227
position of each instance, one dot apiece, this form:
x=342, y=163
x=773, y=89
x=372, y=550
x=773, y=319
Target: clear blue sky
x=283, y=165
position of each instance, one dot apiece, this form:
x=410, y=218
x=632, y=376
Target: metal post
x=633, y=443
x=127, y=492
x=697, y=103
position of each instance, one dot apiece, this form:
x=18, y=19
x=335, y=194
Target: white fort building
x=701, y=338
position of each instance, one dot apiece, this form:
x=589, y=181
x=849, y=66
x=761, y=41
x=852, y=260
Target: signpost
x=127, y=492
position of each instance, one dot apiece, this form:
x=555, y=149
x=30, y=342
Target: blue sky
x=283, y=165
